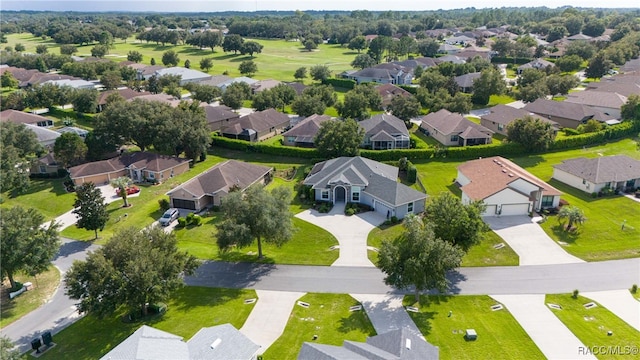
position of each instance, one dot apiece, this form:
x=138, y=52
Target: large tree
x=533, y=134
x=90, y=208
x=134, y=56
x=7, y=80
x=418, y=258
x=206, y=64
x=598, y=66
x=489, y=83
x=354, y=106
x=170, y=58
x=307, y=105
x=631, y=109
x=111, y=79
x=569, y=63
x=363, y=61
x=455, y=222
x=232, y=42
x=251, y=47
x=7, y=352
x=235, y=94
x=255, y=215
x=339, y=138
x=18, y=146
x=134, y=269
x=27, y=245
x=405, y=108
x=320, y=72
x=70, y=149
x=358, y=43
x=248, y=67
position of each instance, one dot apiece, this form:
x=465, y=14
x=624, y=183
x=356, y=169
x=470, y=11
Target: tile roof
x=491, y=175
x=602, y=169
x=221, y=177
x=504, y=114
x=447, y=123
x=139, y=160
x=308, y=127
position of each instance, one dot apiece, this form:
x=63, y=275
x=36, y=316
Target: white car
x=169, y=216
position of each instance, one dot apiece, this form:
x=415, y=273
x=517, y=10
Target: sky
x=257, y=5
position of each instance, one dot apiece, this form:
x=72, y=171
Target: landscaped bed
x=189, y=310
x=500, y=336
x=328, y=317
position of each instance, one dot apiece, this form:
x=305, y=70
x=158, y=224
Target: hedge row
x=412, y=89
x=610, y=132
x=394, y=155
x=473, y=152
x=509, y=60
x=342, y=83
x=242, y=145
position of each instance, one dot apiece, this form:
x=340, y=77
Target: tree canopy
x=533, y=134
x=339, y=138
x=133, y=269
x=70, y=149
x=18, y=146
x=90, y=208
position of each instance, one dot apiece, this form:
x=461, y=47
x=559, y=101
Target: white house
x=618, y=172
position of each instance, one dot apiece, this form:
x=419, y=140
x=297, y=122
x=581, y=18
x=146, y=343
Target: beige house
x=618, y=172
x=257, y=126
x=453, y=129
x=500, y=116
x=208, y=188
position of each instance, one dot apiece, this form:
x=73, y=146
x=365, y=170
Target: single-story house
x=46, y=164
x=297, y=86
x=216, y=80
x=73, y=83
x=389, y=91
x=361, y=180
x=465, y=82
x=220, y=116
x=618, y=172
x=384, y=132
x=384, y=74
x=626, y=85
x=470, y=54
x=148, y=71
x=395, y=344
x=453, y=129
x=304, y=132
x=139, y=166
x=186, y=75
x=126, y=93
x=504, y=187
x=566, y=114
x=76, y=130
x=500, y=116
x=606, y=102
x=257, y=126
x=579, y=36
x=452, y=59
x=247, y=80
x=538, y=64
x=263, y=85
x=20, y=117
x=46, y=138
x=449, y=49
x=219, y=342
x=459, y=40
x=208, y=188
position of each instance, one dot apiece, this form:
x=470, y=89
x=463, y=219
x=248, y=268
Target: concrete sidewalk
x=269, y=317
x=386, y=312
x=529, y=241
x=550, y=335
x=351, y=232
x=619, y=302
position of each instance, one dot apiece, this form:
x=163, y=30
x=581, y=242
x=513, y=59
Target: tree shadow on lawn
x=563, y=235
x=228, y=275
x=194, y=296
x=529, y=161
x=356, y=321
x=241, y=58
x=196, y=51
x=37, y=185
x=155, y=47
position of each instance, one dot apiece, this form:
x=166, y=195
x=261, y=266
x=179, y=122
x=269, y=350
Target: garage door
x=382, y=209
x=184, y=204
x=515, y=209
x=490, y=211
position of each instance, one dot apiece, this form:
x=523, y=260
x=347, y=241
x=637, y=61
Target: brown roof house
x=257, y=126
x=538, y=64
x=263, y=85
x=139, y=166
x=384, y=132
x=304, y=132
x=20, y=117
x=208, y=188
x=504, y=187
x=220, y=116
x=389, y=91
x=566, y=114
x=126, y=93
x=617, y=172
x=502, y=115
x=453, y=129
x=46, y=164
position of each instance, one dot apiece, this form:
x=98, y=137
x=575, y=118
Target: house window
x=454, y=137
x=324, y=195
x=171, y=173
x=152, y=175
x=500, y=127
x=43, y=169
x=355, y=193
x=410, y=207
x=547, y=201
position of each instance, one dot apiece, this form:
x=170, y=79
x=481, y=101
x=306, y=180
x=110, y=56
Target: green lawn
x=482, y=254
x=46, y=195
x=189, y=310
x=499, y=99
x=591, y=325
x=499, y=334
x=45, y=286
x=328, y=316
x=279, y=58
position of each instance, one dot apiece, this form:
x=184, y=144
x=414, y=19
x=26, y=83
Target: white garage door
x=515, y=209
x=490, y=211
x=382, y=209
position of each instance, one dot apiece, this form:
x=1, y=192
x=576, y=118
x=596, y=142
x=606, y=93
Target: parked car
x=169, y=216
x=130, y=190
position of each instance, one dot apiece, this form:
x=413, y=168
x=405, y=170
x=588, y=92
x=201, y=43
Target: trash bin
x=35, y=344
x=47, y=339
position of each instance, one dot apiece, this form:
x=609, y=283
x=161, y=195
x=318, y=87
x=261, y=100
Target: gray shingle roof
x=139, y=160
x=466, y=80
x=232, y=344
x=313, y=351
x=447, y=123
x=384, y=122
x=405, y=344
x=598, y=98
x=308, y=127
x=148, y=343
x=504, y=114
x=561, y=109
x=262, y=121
x=602, y=169
x=44, y=135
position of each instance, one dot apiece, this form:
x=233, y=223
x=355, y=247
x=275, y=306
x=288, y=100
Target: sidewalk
x=550, y=335
x=269, y=317
x=619, y=302
x=386, y=312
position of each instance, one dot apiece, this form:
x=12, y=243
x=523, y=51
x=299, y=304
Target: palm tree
x=121, y=184
x=573, y=214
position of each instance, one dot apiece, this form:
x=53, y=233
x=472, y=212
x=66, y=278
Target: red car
x=130, y=190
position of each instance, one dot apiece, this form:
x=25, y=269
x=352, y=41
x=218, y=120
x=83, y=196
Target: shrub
x=403, y=163
x=570, y=131
x=576, y=292
x=164, y=204
x=350, y=211
x=157, y=308
x=395, y=220
x=342, y=83
x=634, y=288
x=197, y=220
x=182, y=222
x=189, y=219
x=323, y=207
x=412, y=173
x=17, y=287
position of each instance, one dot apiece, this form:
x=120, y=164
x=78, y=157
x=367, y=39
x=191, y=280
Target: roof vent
x=510, y=175
x=498, y=162
x=407, y=344
x=216, y=343
x=504, y=171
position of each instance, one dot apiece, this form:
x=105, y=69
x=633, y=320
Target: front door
x=340, y=194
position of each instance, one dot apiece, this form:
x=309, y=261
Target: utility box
x=47, y=339
x=35, y=344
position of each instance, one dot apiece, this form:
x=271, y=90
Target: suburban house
x=216, y=80
x=387, y=73
x=144, y=73
x=453, y=129
x=579, y=37
x=618, y=172
x=219, y=116
x=72, y=83
x=208, y=188
x=243, y=79
x=626, y=85
x=186, y=75
x=504, y=187
x=389, y=91
x=364, y=181
x=257, y=126
x=566, y=114
x=20, y=117
x=538, y=64
x=46, y=138
x=384, y=132
x=139, y=166
x=396, y=344
x=502, y=115
x=263, y=85
x=303, y=133
x=605, y=102
x=219, y=342
x=76, y=130
x=126, y=93
x=449, y=49
x=465, y=82
x=452, y=59
x=459, y=40
x=46, y=164
x=470, y=53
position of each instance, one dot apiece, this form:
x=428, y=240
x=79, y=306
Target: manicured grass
x=499, y=99
x=189, y=310
x=591, y=325
x=438, y=176
x=44, y=286
x=328, y=316
x=482, y=254
x=499, y=334
x=309, y=246
x=46, y=195
x=279, y=58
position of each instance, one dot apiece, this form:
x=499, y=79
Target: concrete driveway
x=619, y=302
x=529, y=241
